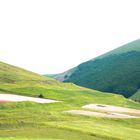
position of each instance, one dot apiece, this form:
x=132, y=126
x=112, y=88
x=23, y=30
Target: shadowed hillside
x=117, y=71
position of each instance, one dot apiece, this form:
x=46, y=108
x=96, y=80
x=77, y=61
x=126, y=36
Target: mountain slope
x=132, y=46
x=136, y=96
x=117, y=71
x=9, y=73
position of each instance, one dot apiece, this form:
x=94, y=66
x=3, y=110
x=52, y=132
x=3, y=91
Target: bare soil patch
x=18, y=98
x=97, y=114
x=108, y=111
x=109, y=108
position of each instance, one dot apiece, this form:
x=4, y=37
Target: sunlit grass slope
x=28, y=120
x=45, y=121
x=9, y=74
x=32, y=121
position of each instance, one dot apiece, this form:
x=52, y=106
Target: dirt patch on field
x=18, y=98
x=108, y=111
x=4, y=101
x=109, y=108
x=97, y=114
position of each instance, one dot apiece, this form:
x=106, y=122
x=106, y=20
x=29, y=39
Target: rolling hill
x=10, y=74
x=34, y=121
x=117, y=71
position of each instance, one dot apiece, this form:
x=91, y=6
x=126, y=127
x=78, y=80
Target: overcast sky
x=51, y=36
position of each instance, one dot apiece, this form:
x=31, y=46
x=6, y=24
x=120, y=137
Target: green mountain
x=117, y=71
x=33, y=121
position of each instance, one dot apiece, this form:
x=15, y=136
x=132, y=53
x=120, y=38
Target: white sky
x=51, y=36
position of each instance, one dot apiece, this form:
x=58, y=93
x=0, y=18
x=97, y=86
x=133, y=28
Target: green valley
x=29, y=120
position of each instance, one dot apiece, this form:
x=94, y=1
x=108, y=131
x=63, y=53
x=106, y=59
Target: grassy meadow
x=28, y=120
x=33, y=121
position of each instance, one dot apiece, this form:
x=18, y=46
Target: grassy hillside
x=117, y=71
x=9, y=73
x=32, y=121
x=48, y=121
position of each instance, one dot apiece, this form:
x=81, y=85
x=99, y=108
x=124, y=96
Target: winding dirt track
x=18, y=98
